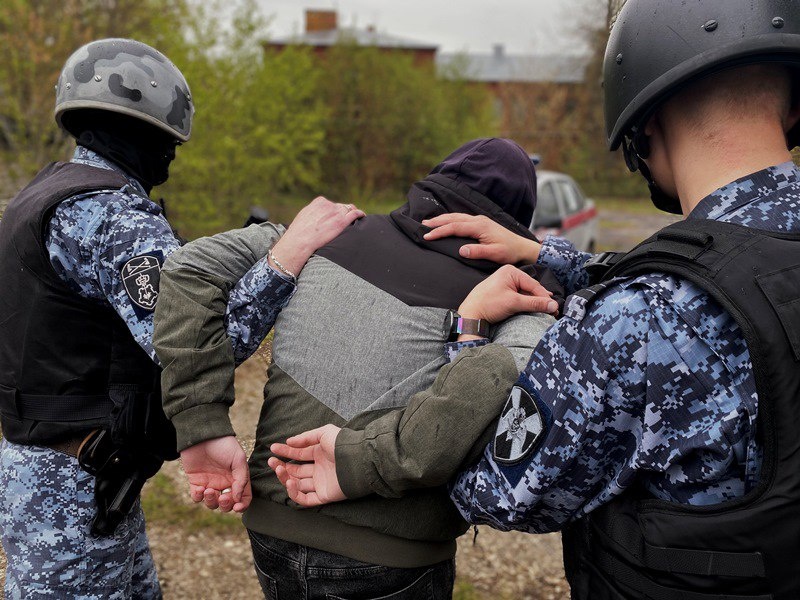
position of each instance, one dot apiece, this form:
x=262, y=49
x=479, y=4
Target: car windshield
x=546, y=205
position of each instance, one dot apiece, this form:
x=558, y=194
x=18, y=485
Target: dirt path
x=621, y=227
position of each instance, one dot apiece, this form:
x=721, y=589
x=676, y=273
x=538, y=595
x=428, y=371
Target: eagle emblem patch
x=141, y=276
x=520, y=427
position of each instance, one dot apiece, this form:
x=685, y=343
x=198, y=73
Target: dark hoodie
x=491, y=177
x=363, y=334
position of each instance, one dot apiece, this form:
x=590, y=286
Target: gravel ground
x=215, y=562
x=621, y=229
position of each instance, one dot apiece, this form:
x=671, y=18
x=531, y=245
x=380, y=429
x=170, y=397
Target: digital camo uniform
x=651, y=384
x=95, y=239
x=56, y=556
x=107, y=246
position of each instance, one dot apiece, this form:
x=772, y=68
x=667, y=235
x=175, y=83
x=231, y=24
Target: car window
x=572, y=200
x=579, y=195
x=546, y=204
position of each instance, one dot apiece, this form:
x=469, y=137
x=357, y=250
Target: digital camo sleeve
x=108, y=251
x=541, y=468
x=112, y=246
x=615, y=393
x=566, y=263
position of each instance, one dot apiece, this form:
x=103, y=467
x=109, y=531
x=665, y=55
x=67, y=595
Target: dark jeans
x=289, y=571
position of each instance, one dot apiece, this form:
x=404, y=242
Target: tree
x=267, y=126
x=600, y=171
x=37, y=36
x=258, y=129
x=390, y=119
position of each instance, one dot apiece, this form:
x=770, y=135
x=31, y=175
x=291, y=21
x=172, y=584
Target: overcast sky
x=523, y=26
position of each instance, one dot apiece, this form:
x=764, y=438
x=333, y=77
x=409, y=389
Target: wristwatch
x=454, y=325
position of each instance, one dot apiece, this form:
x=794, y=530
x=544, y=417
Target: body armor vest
x=68, y=364
x=748, y=548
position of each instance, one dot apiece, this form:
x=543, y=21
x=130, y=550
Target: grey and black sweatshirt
x=361, y=337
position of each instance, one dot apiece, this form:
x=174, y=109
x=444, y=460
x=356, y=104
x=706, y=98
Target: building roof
x=501, y=67
x=361, y=37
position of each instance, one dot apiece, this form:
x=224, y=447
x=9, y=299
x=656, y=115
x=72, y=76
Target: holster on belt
x=119, y=477
x=138, y=439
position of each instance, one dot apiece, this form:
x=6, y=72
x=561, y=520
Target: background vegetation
x=274, y=129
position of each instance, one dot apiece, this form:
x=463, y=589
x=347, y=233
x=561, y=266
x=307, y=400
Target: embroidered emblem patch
x=520, y=427
x=141, y=276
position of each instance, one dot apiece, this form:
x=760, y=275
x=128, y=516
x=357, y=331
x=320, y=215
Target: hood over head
x=491, y=177
x=498, y=169
x=494, y=178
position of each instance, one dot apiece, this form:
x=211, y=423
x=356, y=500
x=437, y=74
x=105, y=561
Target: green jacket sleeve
x=442, y=430
x=189, y=336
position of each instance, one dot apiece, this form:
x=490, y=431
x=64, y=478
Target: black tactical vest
x=639, y=547
x=68, y=365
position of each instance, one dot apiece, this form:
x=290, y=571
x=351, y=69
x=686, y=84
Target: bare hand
x=495, y=242
x=312, y=483
x=317, y=224
x=215, y=466
x=506, y=292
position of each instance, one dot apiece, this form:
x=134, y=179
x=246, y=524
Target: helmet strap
x=661, y=200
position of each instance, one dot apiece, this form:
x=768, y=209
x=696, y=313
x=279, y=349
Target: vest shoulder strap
x=701, y=246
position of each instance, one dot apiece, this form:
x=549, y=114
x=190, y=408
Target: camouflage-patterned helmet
x=127, y=77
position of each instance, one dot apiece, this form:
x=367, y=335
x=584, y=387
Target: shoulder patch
x=141, y=276
x=521, y=426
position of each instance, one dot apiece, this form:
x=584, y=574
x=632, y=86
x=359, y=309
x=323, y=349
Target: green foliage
x=356, y=124
x=37, y=37
x=257, y=130
x=599, y=171
x=276, y=128
x=391, y=119
x=161, y=503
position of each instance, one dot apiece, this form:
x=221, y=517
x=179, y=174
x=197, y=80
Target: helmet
x=658, y=46
x=128, y=77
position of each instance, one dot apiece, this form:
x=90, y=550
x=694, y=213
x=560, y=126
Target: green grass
x=464, y=590
x=636, y=206
x=162, y=503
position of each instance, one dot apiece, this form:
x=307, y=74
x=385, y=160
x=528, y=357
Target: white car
x=562, y=209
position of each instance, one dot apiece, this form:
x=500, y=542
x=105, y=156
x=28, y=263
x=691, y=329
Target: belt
x=71, y=446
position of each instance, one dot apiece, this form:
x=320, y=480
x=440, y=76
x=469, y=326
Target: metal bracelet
x=281, y=268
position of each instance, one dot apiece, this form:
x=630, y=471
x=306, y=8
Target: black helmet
x=659, y=46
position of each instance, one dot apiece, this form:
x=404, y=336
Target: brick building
x=322, y=31
x=535, y=96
